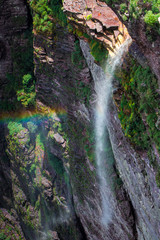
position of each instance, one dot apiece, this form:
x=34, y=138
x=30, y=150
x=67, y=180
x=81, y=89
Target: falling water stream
x=104, y=158
x=103, y=150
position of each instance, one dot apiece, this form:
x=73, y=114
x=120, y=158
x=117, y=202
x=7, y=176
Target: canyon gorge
x=80, y=120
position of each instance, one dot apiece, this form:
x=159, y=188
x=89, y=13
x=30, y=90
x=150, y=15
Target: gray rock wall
x=135, y=170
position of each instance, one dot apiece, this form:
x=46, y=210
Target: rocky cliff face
x=135, y=169
x=96, y=18
x=49, y=184
x=62, y=88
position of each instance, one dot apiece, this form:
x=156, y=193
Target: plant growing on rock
x=89, y=17
x=123, y=7
x=42, y=16
x=27, y=94
x=151, y=19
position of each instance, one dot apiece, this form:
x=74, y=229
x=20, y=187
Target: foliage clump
x=123, y=7
x=44, y=12
x=89, y=17
x=42, y=16
x=139, y=106
x=98, y=51
x=39, y=142
x=151, y=19
x=139, y=110
x=14, y=128
x=146, y=10
x=22, y=59
x=57, y=11
x=27, y=94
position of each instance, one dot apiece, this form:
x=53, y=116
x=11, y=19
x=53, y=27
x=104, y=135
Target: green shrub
x=15, y=128
x=2, y=236
x=57, y=12
x=123, y=7
x=27, y=94
x=22, y=59
x=124, y=18
x=139, y=99
x=42, y=15
x=26, y=80
x=151, y=19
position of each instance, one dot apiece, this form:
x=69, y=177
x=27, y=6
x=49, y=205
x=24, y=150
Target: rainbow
x=26, y=115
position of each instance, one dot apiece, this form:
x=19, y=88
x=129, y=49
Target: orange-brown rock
x=97, y=19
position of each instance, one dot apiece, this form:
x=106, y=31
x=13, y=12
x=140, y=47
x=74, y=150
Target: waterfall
x=103, y=150
x=104, y=158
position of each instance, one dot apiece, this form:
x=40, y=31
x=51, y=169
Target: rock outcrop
x=98, y=20
x=49, y=185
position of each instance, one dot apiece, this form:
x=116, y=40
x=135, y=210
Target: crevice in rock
x=80, y=226
x=133, y=213
x=29, y=15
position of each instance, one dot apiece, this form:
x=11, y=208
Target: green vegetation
x=139, y=106
x=32, y=127
x=148, y=10
x=22, y=58
x=77, y=56
x=44, y=12
x=42, y=16
x=57, y=10
x=151, y=19
x=89, y=17
x=139, y=109
x=9, y=230
x=15, y=128
x=123, y=7
x=39, y=142
x=98, y=52
x=15, y=143
x=27, y=94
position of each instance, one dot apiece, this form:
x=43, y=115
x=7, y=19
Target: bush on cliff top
x=43, y=13
x=147, y=10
